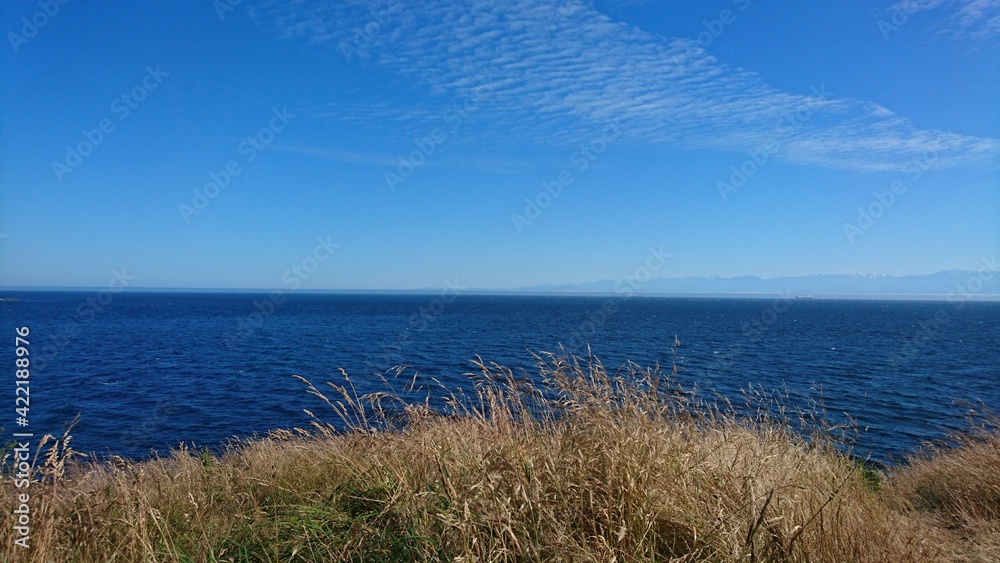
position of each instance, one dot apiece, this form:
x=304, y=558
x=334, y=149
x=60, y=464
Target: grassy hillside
x=583, y=466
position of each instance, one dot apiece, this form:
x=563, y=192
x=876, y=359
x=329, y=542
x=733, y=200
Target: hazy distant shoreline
x=989, y=297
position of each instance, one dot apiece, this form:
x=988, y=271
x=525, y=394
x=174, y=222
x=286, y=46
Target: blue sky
x=203, y=145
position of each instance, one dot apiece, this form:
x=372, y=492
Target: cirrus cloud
x=556, y=71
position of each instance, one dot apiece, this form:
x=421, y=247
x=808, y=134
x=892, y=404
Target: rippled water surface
x=147, y=371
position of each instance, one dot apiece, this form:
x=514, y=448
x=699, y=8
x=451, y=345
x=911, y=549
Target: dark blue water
x=147, y=371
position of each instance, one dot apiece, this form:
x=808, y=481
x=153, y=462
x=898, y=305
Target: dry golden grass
x=584, y=466
x=960, y=485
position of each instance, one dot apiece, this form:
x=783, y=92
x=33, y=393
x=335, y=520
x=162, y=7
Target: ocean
x=147, y=371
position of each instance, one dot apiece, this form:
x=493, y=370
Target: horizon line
x=984, y=297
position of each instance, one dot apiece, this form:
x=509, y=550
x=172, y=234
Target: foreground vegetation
x=584, y=466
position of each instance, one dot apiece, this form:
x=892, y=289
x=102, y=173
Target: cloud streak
x=963, y=19
x=558, y=71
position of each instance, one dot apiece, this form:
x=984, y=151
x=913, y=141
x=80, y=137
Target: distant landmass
x=972, y=284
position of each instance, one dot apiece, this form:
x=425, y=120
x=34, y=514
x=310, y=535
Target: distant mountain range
x=976, y=285
x=985, y=284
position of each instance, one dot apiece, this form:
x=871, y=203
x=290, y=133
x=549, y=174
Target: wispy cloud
x=344, y=156
x=555, y=75
x=336, y=154
x=914, y=6
x=977, y=17
x=964, y=19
